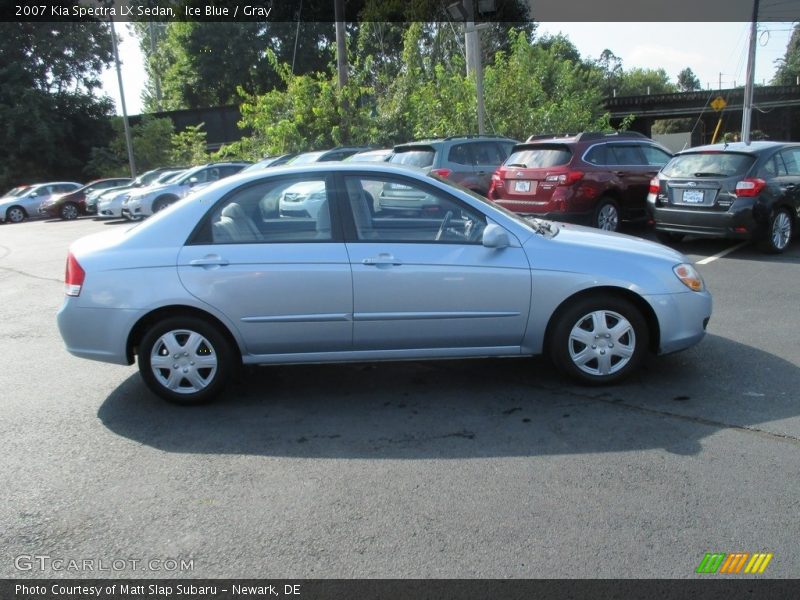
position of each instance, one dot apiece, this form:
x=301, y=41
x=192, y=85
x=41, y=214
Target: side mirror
x=495, y=236
x=193, y=180
x=34, y=194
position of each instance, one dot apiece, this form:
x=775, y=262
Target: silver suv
x=468, y=160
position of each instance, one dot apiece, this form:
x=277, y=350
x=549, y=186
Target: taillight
x=497, y=181
x=747, y=188
x=73, y=280
x=442, y=172
x=655, y=185
x=565, y=178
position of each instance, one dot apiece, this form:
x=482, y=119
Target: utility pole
x=152, y=28
x=747, y=108
x=341, y=64
x=128, y=141
x=465, y=9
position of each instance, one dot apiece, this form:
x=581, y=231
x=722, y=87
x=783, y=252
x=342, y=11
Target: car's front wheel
x=599, y=340
x=185, y=360
x=15, y=214
x=779, y=233
x=69, y=212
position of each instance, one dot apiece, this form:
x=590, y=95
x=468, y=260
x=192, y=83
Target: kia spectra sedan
x=221, y=278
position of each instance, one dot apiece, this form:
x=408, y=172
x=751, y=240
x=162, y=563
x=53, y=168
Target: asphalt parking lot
x=490, y=468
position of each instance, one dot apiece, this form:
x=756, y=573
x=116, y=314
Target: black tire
x=779, y=233
x=69, y=211
x=667, y=237
x=15, y=214
x=162, y=203
x=192, y=384
x=606, y=215
x=631, y=339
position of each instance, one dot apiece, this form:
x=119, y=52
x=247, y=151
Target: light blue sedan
x=222, y=278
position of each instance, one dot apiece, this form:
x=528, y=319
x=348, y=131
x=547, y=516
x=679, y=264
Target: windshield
x=17, y=190
x=168, y=177
x=709, y=164
x=539, y=157
x=308, y=157
x=416, y=157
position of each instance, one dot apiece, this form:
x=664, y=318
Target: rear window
x=709, y=164
x=415, y=157
x=539, y=157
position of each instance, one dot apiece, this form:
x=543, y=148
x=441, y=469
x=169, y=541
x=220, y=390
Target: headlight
x=689, y=277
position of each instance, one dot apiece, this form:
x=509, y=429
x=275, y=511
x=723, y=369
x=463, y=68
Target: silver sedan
x=223, y=278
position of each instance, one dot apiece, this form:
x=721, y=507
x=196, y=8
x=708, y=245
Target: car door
x=423, y=281
x=284, y=281
x=488, y=156
x=790, y=181
x=632, y=173
x=35, y=198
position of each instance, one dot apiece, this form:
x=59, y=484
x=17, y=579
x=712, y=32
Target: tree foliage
x=151, y=140
x=49, y=117
x=789, y=66
x=688, y=81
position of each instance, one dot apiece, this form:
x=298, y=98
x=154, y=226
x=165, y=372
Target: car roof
x=751, y=148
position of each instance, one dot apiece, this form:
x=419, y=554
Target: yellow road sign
x=718, y=103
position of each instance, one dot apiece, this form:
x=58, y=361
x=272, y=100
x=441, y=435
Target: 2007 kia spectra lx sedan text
x=224, y=277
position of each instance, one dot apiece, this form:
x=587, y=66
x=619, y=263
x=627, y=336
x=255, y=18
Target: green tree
x=788, y=67
x=688, y=81
x=189, y=146
x=151, y=139
x=638, y=82
x=50, y=117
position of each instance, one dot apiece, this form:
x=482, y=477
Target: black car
x=738, y=190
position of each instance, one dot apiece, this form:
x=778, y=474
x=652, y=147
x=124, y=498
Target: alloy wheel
x=781, y=230
x=608, y=218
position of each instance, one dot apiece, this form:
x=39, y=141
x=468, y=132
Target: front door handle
x=382, y=260
x=210, y=260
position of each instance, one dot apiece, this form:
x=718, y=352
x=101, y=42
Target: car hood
x=607, y=242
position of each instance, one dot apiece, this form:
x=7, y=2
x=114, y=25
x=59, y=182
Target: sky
x=707, y=48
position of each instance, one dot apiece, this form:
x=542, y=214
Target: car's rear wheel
x=68, y=212
x=16, y=214
x=779, y=233
x=185, y=360
x=599, y=340
x=606, y=215
x=667, y=237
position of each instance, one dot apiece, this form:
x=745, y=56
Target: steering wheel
x=443, y=226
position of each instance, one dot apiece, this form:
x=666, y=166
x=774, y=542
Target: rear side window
x=709, y=164
x=487, y=153
x=791, y=158
x=415, y=157
x=460, y=154
x=624, y=154
x=540, y=156
x=655, y=156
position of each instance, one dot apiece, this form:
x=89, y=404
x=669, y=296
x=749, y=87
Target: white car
x=303, y=199
x=16, y=209
x=109, y=205
x=143, y=203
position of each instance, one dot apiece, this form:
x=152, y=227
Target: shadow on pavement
x=468, y=409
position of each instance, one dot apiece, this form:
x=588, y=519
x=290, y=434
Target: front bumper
x=682, y=319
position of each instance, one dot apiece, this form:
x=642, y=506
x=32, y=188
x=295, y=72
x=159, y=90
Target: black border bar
x=711, y=588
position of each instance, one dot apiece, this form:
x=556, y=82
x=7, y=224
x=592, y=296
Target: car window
x=791, y=158
x=229, y=170
x=540, y=156
x=774, y=167
x=487, y=153
x=709, y=164
x=624, y=155
x=420, y=156
x=460, y=154
x=285, y=210
x=655, y=156
x=391, y=209
x=596, y=155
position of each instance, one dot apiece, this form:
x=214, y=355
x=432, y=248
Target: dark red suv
x=595, y=178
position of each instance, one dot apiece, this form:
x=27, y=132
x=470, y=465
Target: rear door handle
x=210, y=260
x=382, y=260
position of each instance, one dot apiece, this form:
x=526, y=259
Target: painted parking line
x=719, y=255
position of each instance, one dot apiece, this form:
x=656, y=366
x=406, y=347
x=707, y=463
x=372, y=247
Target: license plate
x=524, y=186
x=693, y=196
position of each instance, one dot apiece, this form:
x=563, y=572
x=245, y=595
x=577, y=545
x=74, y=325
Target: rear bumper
x=740, y=221
x=96, y=333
